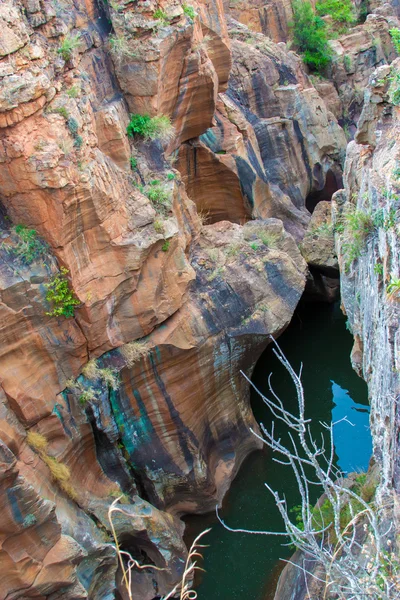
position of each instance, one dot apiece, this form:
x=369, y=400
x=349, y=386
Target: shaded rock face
x=370, y=302
x=370, y=293
x=260, y=158
x=168, y=428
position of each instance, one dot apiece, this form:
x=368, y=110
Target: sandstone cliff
x=135, y=389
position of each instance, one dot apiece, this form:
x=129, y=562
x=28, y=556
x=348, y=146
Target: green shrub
x=395, y=35
x=133, y=162
x=309, y=36
x=61, y=110
x=357, y=226
x=69, y=43
x=78, y=141
x=189, y=11
x=378, y=269
x=160, y=15
x=29, y=246
x=73, y=125
x=60, y=296
x=170, y=176
x=158, y=226
x=394, y=88
x=151, y=127
x=393, y=289
x=347, y=62
x=73, y=91
x=165, y=246
x=120, y=47
x=341, y=11
x=159, y=196
x=87, y=396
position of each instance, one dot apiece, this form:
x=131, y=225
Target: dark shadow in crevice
x=328, y=187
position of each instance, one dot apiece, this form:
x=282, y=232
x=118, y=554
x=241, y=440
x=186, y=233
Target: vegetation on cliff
x=310, y=36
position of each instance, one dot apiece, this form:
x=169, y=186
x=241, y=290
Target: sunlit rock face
x=168, y=429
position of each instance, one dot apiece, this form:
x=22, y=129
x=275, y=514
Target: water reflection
x=247, y=566
x=352, y=437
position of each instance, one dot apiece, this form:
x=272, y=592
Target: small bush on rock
x=29, y=246
x=60, y=296
x=341, y=11
x=134, y=351
x=151, y=128
x=69, y=43
x=309, y=36
x=160, y=15
x=395, y=35
x=189, y=11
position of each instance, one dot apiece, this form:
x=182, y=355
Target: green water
x=240, y=566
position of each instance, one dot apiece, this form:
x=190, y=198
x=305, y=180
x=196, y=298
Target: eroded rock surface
x=260, y=158
x=87, y=415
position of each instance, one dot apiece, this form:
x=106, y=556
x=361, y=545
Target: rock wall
x=372, y=188
x=136, y=391
x=273, y=145
x=368, y=254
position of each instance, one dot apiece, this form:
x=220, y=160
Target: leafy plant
x=29, y=246
x=394, y=88
x=69, y=43
x=160, y=15
x=347, y=62
x=254, y=245
x=158, y=226
x=78, y=141
x=170, y=176
x=309, y=35
x=396, y=173
x=341, y=11
x=151, y=128
x=378, y=268
x=357, y=226
x=120, y=47
x=189, y=11
x=268, y=239
x=87, y=396
x=159, y=196
x=109, y=376
x=61, y=110
x=60, y=296
x=393, y=289
x=73, y=91
x=133, y=162
x=165, y=246
x=73, y=126
x=395, y=35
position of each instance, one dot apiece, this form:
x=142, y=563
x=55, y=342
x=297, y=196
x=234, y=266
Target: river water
x=240, y=566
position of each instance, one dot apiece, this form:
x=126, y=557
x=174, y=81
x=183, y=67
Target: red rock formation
x=176, y=427
x=259, y=158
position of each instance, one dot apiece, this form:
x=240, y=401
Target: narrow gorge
x=179, y=185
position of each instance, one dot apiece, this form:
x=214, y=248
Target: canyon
x=176, y=260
